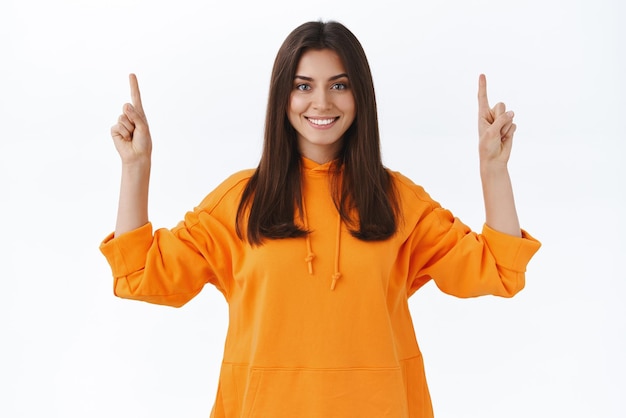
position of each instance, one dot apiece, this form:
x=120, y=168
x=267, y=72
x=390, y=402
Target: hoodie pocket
x=327, y=393
x=417, y=394
x=231, y=390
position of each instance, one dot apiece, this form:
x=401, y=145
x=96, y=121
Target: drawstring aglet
x=309, y=259
x=336, y=277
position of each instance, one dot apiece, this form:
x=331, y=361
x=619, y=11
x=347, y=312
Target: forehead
x=320, y=63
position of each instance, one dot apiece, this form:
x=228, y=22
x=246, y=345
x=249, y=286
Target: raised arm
x=132, y=140
x=496, y=129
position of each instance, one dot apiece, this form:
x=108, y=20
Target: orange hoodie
x=318, y=326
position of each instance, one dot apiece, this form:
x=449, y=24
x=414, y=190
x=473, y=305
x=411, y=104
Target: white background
x=69, y=348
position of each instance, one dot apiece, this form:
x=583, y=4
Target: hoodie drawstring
x=337, y=274
x=311, y=255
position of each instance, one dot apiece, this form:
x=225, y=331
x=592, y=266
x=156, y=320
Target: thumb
x=136, y=118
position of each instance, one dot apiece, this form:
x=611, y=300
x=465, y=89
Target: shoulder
x=409, y=192
x=227, y=193
x=418, y=209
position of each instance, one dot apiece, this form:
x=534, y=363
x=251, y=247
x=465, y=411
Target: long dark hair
x=362, y=188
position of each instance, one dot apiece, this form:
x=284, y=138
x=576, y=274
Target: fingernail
x=510, y=113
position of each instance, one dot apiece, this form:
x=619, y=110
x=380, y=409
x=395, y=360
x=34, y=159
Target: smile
x=322, y=122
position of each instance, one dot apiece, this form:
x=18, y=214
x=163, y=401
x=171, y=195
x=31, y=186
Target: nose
x=321, y=101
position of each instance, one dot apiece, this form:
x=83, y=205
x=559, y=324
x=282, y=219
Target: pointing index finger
x=135, y=95
x=483, y=102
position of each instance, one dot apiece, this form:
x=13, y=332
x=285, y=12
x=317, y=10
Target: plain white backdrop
x=71, y=349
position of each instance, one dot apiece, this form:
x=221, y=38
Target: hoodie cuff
x=511, y=252
x=127, y=252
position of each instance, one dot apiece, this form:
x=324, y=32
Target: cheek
x=292, y=113
x=349, y=107
x=297, y=105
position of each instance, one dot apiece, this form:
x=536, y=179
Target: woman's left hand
x=495, y=129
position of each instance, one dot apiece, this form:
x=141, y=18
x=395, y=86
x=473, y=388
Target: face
x=321, y=106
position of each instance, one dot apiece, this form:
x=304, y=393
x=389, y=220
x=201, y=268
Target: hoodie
x=318, y=326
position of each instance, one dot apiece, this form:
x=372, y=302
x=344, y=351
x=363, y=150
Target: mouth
x=322, y=122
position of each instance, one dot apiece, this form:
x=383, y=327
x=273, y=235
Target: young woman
x=318, y=249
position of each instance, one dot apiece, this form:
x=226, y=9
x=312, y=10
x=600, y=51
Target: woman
x=318, y=250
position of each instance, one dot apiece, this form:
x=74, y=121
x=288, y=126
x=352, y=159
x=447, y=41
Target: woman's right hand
x=131, y=134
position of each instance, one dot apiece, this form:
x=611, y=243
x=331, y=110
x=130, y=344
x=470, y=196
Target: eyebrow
x=333, y=78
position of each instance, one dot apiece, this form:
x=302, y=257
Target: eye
x=339, y=86
x=303, y=87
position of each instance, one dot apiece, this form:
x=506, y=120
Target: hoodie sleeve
x=167, y=267
x=154, y=268
x=466, y=264
x=463, y=263
x=170, y=267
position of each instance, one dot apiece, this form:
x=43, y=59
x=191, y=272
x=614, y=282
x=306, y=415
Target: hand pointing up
x=495, y=128
x=131, y=134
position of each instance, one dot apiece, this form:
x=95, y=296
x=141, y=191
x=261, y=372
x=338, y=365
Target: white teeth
x=322, y=121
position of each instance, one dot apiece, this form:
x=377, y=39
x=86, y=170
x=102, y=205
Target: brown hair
x=365, y=196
